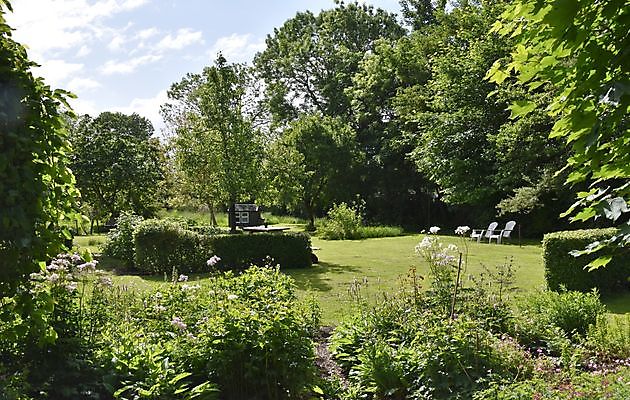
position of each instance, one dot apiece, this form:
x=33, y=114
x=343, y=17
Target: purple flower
x=182, y=278
x=178, y=323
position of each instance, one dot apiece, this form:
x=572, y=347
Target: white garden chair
x=503, y=234
x=485, y=233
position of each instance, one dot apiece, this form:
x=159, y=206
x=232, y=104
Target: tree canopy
x=118, y=165
x=581, y=48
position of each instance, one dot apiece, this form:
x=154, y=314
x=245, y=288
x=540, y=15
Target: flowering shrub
x=120, y=242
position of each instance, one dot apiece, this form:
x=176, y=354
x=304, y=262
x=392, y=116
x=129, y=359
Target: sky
x=123, y=55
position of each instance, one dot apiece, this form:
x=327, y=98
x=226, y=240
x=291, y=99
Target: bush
x=571, y=312
x=610, y=336
x=288, y=250
x=162, y=245
x=343, y=222
x=563, y=269
x=120, y=241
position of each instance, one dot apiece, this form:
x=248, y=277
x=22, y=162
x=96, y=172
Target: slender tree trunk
x=213, y=217
x=310, y=212
x=232, y=215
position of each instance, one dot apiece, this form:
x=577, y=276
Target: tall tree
x=310, y=60
x=312, y=163
x=216, y=143
x=118, y=165
x=581, y=48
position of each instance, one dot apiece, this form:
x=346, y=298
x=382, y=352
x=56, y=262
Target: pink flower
x=213, y=261
x=178, y=323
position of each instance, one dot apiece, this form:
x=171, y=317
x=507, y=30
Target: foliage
x=610, y=336
x=343, y=222
x=37, y=187
x=563, y=268
x=217, y=147
x=237, y=252
x=400, y=350
x=310, y=59
x=311, y=163
x=580, y=49
x=162, y=245
x=118, y=165
x=607, y=385
x=120, y=241
x=70, y=296
x=571, y=312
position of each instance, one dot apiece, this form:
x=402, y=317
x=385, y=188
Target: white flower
x=424, y=245
x=177, y=322
x=160, y=308
x=182, y=278
x=434, y=230
x=75, y=258
x=451, y=247
x=232, y=297
x=106, y=281
x=462, y=230
x=213, y=261
x=54, y=277
x=71, y=286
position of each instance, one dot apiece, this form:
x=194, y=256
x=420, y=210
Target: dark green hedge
x=162, y=245
x=561, y=268
x=237, y=252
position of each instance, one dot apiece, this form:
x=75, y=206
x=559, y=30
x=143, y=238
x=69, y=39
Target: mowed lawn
x=379, y=265
x=374, y=266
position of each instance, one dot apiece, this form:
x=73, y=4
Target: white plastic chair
x=485, y=233
x=505, y=233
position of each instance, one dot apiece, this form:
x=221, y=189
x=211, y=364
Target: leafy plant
x=120, y=241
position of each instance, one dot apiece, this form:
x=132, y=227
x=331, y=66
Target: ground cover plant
x=241, y=337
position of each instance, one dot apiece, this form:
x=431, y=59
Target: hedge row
x=563, y=269
x=289, y=250
x=161, y=245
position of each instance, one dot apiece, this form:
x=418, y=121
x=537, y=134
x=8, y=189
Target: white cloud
x=128, y=66
x=116, y=43
x=237, y=48
x=148, y=33
x=57, y=71
x=82, y=106
x=184, y=37
x=83, y=51
x=46, y=25
x=80, y=84
x=147, y=107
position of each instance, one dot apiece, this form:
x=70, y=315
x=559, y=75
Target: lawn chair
x=485, y=233
x=504, y=234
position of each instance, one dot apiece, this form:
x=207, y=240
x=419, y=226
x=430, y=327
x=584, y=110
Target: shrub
x=571, y=312
x=610, y=336
x=563, y=269
x=343, y=222
x=120, y=241
x=288, y=250
x=162, y=245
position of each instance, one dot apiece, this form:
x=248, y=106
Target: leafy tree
x=312, y=162
x=581, y=48
x=216, y=143
x=459, y=124
x=311, y=59
x=117, y=164
x=36, y=187
x=421, y=13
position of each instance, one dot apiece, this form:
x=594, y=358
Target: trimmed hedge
x=237, y=252
x=163, y=244
x=563, y=269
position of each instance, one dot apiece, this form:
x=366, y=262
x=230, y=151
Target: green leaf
x=318, y=390
x=598, y=263
x=520, y=108
x=179, y=377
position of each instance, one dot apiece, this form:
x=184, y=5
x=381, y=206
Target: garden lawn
x=373, y=266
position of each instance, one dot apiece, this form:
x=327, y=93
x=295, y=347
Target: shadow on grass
x=618, y=304
x=320, y=277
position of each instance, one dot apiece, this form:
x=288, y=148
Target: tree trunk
x=311, y=217
x=213, y=217
x=232, y=216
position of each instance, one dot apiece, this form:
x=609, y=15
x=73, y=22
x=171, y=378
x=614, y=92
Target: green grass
x=378, y=265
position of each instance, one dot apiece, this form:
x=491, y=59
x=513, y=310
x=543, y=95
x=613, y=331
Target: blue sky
x=122, y=55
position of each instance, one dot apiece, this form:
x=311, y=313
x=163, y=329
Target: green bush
x=343, y=222
x=571, y=312
x=563, y=269
x=237, y=252
x=610, y=336
x=162, y=245
x=120, y=241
